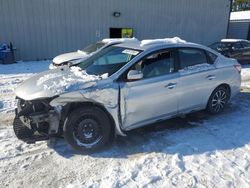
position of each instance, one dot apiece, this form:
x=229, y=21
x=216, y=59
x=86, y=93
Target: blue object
x=3, y=46
x=6, y=54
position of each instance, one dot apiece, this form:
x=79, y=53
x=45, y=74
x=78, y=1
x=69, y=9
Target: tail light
x=238, y=68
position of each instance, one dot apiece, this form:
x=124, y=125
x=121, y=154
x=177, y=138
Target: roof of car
x=119, y=40
x=155, y=43
x=233, y=40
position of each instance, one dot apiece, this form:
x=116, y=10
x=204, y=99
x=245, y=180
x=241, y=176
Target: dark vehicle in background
x=234, y=48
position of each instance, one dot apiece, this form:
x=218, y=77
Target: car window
x=111, y=59
x=219, y=46
x=212, y=57
x=93, y=47
x=108, y=60
x=191, y=57
x=237, y=46
x=158, y=64
x=246, y=44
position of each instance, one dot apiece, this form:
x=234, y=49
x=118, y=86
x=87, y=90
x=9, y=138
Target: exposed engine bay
x=36, y=120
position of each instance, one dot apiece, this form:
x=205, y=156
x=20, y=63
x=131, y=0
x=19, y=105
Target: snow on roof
x=109, y=40
x=231, y=40
x=175, y=40
x=241, y=15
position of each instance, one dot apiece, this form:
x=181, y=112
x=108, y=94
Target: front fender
x=107, y=98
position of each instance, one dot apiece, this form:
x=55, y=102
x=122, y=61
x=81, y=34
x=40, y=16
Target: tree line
x=240, y=5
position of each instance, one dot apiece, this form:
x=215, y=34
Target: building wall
x=238, y=30
x=45, y=28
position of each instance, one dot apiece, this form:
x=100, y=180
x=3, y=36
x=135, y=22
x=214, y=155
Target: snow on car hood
x=56, y=82
x=69, y=57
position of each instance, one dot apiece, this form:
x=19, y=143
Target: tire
x=21, y=131
x=87, y=129
x=218, y=100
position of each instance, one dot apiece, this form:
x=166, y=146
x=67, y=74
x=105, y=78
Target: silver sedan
x=124, y=87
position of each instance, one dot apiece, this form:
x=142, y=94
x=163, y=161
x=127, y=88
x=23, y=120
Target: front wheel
x=218, y=100
x=87, y=129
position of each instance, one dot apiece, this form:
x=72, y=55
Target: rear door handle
x=171, y=85
x=210, y=77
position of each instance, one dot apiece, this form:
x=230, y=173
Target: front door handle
x=171, y=85
x=210, y=77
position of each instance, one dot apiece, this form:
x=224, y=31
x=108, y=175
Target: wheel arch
x=225, y=85
x=74, y=105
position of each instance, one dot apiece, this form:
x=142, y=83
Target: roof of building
x=241, y=15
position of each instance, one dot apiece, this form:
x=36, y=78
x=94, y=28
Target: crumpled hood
x=69, y=57
x=55, y=82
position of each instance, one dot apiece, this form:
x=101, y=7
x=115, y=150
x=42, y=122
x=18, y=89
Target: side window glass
x=212, y=57
x=191, y=57
x=237, y=46
x=157, y=64
x=246, y=44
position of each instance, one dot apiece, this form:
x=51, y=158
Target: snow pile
x=200, y=150
x=245, y=73
x=57, y=84
x=175, y=40
x=120, y=40
x=196, y=68
x=10, y=77
x=245, y=76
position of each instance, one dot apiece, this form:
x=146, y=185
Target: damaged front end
x=36, y=120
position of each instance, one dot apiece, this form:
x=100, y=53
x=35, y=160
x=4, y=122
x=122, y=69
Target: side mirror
x=134, y=75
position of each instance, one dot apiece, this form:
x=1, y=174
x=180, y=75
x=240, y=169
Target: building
x=43, y=29
x=239, y=26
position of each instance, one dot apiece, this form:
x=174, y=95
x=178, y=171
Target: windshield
x=108, y=60
x=93, y=47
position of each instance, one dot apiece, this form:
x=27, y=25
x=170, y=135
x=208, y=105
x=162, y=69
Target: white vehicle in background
x=74, y=58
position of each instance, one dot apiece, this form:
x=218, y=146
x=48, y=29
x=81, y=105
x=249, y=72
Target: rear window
x=212, y=57
x=191, y=57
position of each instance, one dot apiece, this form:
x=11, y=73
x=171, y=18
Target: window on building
x=121, y=32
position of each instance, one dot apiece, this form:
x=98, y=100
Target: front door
x=155, y=96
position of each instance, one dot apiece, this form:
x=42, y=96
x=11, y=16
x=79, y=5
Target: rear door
x=197, y=78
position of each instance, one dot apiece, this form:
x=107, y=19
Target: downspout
x=229, y=15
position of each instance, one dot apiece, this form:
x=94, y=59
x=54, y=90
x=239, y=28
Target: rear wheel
x=218, y=100
x=87, y=129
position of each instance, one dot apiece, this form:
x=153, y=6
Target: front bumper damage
x=36, y=120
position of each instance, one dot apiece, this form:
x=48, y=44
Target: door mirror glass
x=134, y=75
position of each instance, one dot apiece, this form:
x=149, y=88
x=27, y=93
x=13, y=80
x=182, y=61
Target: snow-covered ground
x=197, y=151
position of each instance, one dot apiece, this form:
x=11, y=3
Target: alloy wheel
x=219, y=100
